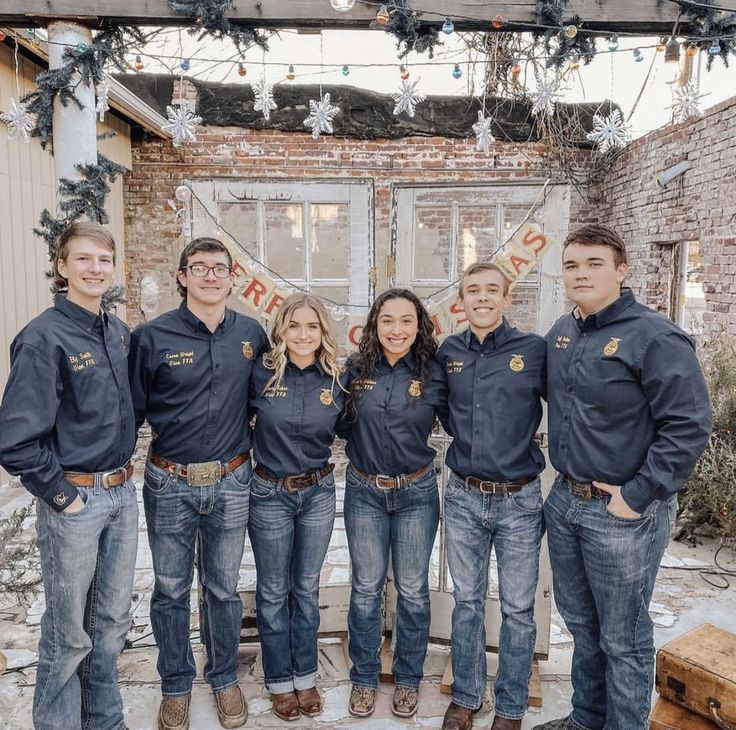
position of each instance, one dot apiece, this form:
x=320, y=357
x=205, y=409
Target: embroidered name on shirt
x=562, y=342
x=364, y=384
x=82, y=361
x=175, y=359
x=279, y=391
x=611, y=347
x=454, y=366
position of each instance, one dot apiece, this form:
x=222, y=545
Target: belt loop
x=97, y=482
x=505, y=489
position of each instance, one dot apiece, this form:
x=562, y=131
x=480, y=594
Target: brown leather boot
x=285, y=706
x=458, y=718
x=310, y=701
x=503, y=723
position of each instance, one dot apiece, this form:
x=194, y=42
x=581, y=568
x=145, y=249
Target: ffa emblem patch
x=611, y=347
x=517, y=363
x=415, y=388
x=60, y=498
x=247, y=350
x=325, y=397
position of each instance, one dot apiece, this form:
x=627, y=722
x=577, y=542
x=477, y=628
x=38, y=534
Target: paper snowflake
x=320, y=116
x=407, y=98
x=19, y=121
x=687, y=101
x=482, y=129
x=609, y=132
x=103, y=91
x=182, y=124
x=545, y=97
x=263, y=92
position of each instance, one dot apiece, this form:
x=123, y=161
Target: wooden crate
x=668, y=715
x=698, y=671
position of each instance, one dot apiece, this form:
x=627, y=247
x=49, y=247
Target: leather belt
x=107, y=479
x=488, y=487
x=295, y=482
x=583, y=490
x=383, y=481
x=216, y=469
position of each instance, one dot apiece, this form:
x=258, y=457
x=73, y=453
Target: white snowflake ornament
x=103, y=91
x=687, y=101
x=482, y=129
x=321, y=115
x=609, y=132
x=19, y=121
x=182, y=124
x=545, y=97
x=407, y=98
x=263, y=92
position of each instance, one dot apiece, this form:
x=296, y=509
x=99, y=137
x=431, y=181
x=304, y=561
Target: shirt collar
x=316, y=365
x=493, y=340
x=607, y=314
x=409, y=360
x=83, y=317
x=197, y=324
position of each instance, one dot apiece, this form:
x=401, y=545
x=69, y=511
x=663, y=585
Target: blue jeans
x=290, y=533
x=604, y=568
x=403, y=521
x=215, y=519
x=87, y=562
x=475, y=522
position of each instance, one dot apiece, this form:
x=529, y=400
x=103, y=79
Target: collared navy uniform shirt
x=628, y=404
x=495, y=402
x=67, y=404
x=191, y=384
x=394, y=419
x=295, y=421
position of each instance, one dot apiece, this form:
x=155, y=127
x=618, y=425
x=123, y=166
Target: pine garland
x=410, y=32
x=557, y=46
x=210, y=19
x=703, y=23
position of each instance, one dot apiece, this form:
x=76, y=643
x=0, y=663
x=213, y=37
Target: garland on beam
x=709, y=28
x=559, y=45
x=410, y=32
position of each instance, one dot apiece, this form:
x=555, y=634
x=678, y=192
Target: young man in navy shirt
x=496, y=377
x=67, y=429
x=629, y=415
x=190, y=371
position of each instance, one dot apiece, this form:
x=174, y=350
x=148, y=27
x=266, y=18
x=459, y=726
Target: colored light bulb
x=570, y=31
x=241, y=70
x=138, y=64
x=613, y=43
x=498, y=22
x=382, y=16
x=342, y=6
x=448, y=26
x=457, y=71
x=346, y=70
x=184, y=65
x=638, y=55
x=290, y=75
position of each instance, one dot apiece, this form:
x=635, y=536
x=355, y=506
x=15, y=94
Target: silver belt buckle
x=204, y=474
x=385, y=477
x=105, y=475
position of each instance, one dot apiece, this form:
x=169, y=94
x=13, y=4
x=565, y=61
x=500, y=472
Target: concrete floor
x=682, y=599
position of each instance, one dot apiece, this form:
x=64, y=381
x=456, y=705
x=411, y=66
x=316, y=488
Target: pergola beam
x=637, y=16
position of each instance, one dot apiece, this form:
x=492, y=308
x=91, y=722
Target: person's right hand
x=76, y=506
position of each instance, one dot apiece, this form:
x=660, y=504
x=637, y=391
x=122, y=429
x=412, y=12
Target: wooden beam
x=640, y=16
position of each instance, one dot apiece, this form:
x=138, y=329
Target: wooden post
x=75, y=129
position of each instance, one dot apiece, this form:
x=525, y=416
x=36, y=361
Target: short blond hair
x=479, y=266
x=80, y=229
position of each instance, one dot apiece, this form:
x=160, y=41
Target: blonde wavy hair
x=277, y=357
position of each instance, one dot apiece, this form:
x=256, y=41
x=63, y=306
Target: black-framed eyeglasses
x=201, y=270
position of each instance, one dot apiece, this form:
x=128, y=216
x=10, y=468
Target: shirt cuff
x=637, y=496
x=61, y=497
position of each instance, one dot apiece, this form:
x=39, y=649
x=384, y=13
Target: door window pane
x=477, y=238
x=432, y=242
x=329, y=241
x=285, y=240
x=241, y=221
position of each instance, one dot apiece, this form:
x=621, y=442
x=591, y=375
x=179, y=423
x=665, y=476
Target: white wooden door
x=440, y=231
x=317, y=236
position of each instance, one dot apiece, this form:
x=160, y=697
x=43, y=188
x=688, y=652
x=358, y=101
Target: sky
x=642, y=89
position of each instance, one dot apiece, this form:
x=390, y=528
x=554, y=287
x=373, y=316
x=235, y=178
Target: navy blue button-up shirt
x=295, y=421
x=67, y=404
x=495, y=402
x=628, y=404
x=191, y=384
x=387, y=432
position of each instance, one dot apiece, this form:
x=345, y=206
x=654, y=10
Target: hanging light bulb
x=80, y=47
x=448, y=26
x=498, y=22
x=404, y=71
x=715, y=48
x=346, y=70
x=184, y=65
x=692, y=50
x=515, y=68
x=457, y=72
x=30, y=33
x=672, y=51
x=570, y=31
x=290, y=75
x=2, y=36
x=613, y=43
x=241, y=70
x=662, y=44
x=342, y=6
x=638, y=55
x=338, y=313
x=382, y=16
x=138, y=66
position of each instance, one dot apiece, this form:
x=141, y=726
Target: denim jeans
x=604, y=568
x=403, y=521
x=87, y=562
x=214, y=518
x=290, y=533
x=475, y=522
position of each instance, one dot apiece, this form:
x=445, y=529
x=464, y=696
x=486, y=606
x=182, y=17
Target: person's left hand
x=616, y=506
